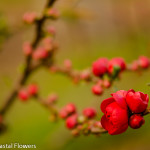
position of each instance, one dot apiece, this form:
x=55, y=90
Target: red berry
x=136, y=121
x=33, y=89
x=89, y=112
x=97, y=89
x=144, y=62
x=70, y=108
x=100, y=67
x=23, y=95
x=71, y=121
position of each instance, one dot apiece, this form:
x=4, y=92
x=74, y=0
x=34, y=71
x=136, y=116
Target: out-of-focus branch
x=27, y=71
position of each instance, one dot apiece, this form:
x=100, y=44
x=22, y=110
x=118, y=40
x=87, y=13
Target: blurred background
x=86, y=31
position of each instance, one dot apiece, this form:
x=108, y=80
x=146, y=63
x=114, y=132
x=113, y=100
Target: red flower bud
x=27, y=48
x=85, y=75
x=29, y=17
x=71, y=121
x=100, y=66
x=106, y=83
x=40, y=53
x=144, y=62
x=54, y=13
x=23, y=95
x=116, y=62
x=134, y=65
x=70, y=108
x=97, y=89
x=137, y=101
x=33, y=89
x=68, y=64
x=136, y=121
x=52, y=98
x=51, y=30
x=89, y=112
x=63, y=113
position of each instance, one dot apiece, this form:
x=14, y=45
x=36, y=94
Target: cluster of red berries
x=69, y=113
x=122, y=109
x=25, y=93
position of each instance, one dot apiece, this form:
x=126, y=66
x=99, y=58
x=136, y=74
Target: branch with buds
x=41, y=52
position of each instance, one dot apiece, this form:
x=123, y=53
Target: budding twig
x=27, y=70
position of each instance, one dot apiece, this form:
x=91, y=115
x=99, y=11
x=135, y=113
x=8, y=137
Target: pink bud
x=97, y=89
x=23, y=95
x=51, y=30
x=71, y=121
x=29, y=17
x=40, y=53
x=27, y=48
x=54, y=13
x=134, y=65
x=70, y=108
x=106, y=83
x=52, y=98
x=63, y=113
x=144, y=61
x=33, y=89
x=89, y=112
x=68, y=64
x=85, y=75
